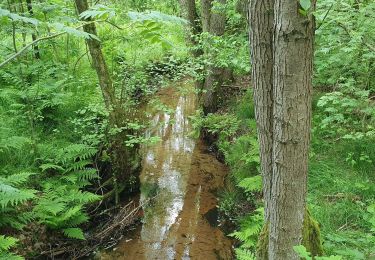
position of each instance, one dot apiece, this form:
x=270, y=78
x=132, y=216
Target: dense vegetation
x=62, y=151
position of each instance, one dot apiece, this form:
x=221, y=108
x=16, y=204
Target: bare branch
x=21, y=51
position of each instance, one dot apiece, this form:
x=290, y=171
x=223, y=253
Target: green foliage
x=250, y=228
x=344, y=40
x=349, y=113
x=244, y=254
x=5, y=244
x=227, y=51
x=98, y=11
x=155, y=16
x=252, y=184
x=10, y=195
x=56, y=136
x=304, y=254
x=241, y=151
x=305, y=4
x=62, y=204
x=13, y=194
x=74, y=233
x=225, y=125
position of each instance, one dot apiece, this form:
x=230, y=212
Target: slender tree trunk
x=98, y=60
x=33, y=35
x=189, y=12
x=261, y=37
x=214, y=24
x=206, y=6
x=23, y=33
x=293, y=61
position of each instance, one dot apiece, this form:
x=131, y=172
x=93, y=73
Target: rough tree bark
x=98, y=60
x=293, y=56
x=261, y=36
x=214, y=24
x=281, y=40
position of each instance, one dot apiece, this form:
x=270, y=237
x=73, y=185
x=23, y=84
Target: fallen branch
x=108, y=234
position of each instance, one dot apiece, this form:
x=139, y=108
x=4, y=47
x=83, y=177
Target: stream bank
x=183, y=178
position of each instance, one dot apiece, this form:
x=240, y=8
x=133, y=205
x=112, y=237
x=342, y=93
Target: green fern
x=61, y=206
x=250, y=228
x=14, y=142
x=73, y=152
x=252, y=184
x=76, y=233
x=304, y=254
x=244, y=254
x=10, y=195
x=6, y=243
x=19, y=178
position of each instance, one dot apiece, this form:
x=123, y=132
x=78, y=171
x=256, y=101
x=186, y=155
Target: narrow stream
x=180, y=223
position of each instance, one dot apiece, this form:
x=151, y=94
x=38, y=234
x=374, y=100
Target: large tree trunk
x=281, y=41
x=261, y=37
x=98, y=60
x=214, y=24
x=293, y=61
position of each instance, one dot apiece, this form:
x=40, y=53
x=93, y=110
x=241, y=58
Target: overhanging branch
x=21, y=51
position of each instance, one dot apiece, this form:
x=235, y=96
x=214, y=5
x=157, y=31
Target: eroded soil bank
x=183, y=177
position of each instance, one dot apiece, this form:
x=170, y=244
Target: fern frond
x=251, y=226
x=19, y=178
x=10, y=256
x=244, y=254
x=87, y=174
x=76, y=233
x=252, y=184
x=74, y=151
x=77, y=220
x=16, y=17
x=50, y=166
x=13, y=196
x=98, y=11
x=83, y=196
x=80, y=165
x=7, y=242
x=50, y=206
x=15, y=142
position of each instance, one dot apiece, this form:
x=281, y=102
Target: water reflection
x=174, y=226
x=167, y=164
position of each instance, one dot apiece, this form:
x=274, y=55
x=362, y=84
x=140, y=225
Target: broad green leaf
x=305, y=4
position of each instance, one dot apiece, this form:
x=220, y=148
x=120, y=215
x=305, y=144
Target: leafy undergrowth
x=342, y=199
x=341, y=182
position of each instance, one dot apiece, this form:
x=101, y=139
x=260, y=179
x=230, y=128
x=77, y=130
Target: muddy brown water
x=181, y=221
